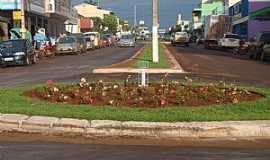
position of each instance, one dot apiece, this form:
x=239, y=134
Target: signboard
x=16, y=15
x=37, y=6
x=10, y=4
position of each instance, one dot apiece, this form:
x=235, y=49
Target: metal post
x=135, y=16
x=23, y=30
x=155, y=32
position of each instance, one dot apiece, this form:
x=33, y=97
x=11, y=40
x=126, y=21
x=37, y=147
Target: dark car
x=266, y=52
x=256, y=45
x=17, y=52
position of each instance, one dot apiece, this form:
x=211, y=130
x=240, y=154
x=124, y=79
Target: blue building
x=243, y=23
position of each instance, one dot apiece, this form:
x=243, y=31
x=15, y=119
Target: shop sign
x=16, y=15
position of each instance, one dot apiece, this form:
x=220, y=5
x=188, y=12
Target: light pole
x=155, y=32
x=23, y=30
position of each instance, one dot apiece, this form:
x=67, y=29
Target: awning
x=261, y=14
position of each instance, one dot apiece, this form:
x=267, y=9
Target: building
x=4, y=22
x=48, y=14
x=212, y=7
x=196, y=19
x=245, y=21
x=89, y=11
x=185, y=25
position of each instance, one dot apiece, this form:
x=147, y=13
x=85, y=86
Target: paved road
x=63, y=67
x=59, y=151
x=220, y=65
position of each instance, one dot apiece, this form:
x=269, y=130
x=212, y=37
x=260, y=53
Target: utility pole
x=155, y=32
x=23, y=29
x=135, y=16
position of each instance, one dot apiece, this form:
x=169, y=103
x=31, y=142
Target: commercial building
x=197, y=19
x=185, y=25
x=248, y=17
x=88, y=11
x=48, y=14
x=212, y=7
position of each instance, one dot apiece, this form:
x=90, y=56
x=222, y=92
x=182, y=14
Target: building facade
x=245, y=25
x=212, y=7
x=48, y=14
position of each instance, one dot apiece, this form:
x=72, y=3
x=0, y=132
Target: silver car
x=68, y=45
x=127, y=41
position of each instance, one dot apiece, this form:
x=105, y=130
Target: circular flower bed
x=155, y=95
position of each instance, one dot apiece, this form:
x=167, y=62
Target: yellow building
x=88, y=11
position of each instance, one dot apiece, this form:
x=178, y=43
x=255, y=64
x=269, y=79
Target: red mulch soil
x=155, y=95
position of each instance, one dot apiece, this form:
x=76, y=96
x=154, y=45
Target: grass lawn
x=12, y=101
x=146, y=55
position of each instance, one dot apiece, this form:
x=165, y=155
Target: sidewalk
x=156, y=130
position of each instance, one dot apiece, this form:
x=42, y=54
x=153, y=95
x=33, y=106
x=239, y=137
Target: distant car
x=95, y=37
x=266, y=52
x=109, y=37
x=229, y=41
x=17, y=52
x=181, y=38
x=106, y=41
x=127, y=41
x=256, y=45
x=68, y=45
x=89, y=43
x=81, y=40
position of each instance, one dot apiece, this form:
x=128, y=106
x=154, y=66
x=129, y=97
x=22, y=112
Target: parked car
x=256, y=45
x=89, y=43
x=17, y=52
x=180, y=38
x=266, y=52
x=127, y=41
x=229, y=40
x=95, y=37
x=106, y=41
x=109, y=37
x=81, y=40
x=68, y=45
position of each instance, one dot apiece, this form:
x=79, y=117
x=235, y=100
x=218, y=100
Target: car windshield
x=67, y=40
x=234, y=36
x=12, y=44
x=127, y=37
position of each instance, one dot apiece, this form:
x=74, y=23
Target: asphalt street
x=222, y=65
x=62, y=68
x=60, y=151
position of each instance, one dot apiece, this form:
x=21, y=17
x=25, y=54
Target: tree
x=110, y=22
x=98, y=24
x=90, y=2
x=178, y=28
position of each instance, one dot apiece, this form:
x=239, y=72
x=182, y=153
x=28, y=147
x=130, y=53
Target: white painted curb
x=158, y=130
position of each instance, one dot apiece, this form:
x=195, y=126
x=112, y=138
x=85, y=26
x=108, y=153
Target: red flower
x=50, y=83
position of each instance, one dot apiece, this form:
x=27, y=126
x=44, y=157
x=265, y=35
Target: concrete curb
x=158, y=130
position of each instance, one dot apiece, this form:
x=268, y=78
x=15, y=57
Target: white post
x=143, y=78
x=23, y=30
x=135, y=16
x=155, y=32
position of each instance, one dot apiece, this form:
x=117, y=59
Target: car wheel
x=262, y=58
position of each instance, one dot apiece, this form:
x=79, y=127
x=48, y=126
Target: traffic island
x=165, y=109
x=142, y=60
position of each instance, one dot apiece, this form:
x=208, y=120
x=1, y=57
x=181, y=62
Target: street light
x=155, y=32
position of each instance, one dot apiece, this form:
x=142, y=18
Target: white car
x=180, y=38
x=229, y=41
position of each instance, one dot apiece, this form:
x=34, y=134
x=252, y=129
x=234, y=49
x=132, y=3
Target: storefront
x=4, y=23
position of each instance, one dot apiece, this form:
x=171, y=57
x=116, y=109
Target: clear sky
x=168, y=9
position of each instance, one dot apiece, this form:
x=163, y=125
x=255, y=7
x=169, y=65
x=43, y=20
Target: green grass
x=146, y=56
x=12, y=101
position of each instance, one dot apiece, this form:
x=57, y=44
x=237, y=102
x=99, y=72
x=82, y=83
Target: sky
x=168, y=10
